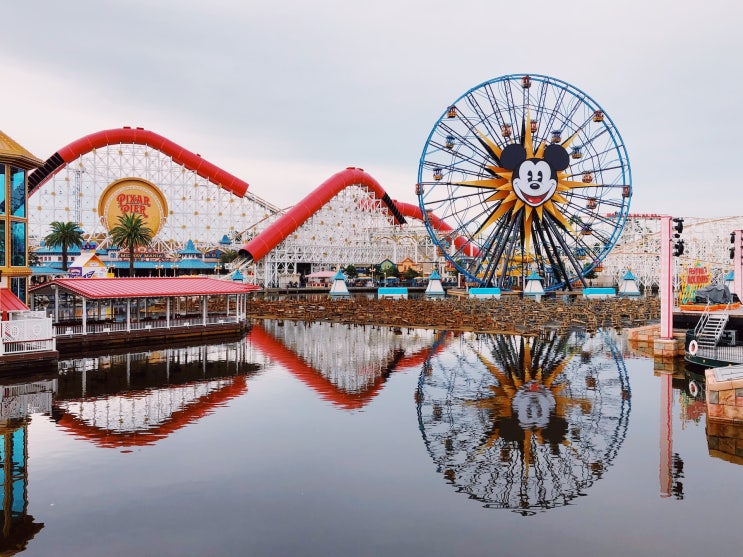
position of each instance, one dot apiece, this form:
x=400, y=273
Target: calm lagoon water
x=319, y=439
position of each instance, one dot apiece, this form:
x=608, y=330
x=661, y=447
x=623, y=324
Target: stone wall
x=725, y=393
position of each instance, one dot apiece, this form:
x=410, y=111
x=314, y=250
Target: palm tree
x=64, y=234
x=131, y=232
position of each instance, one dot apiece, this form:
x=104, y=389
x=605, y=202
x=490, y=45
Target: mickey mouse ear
x=513, y=155
x=556, y=156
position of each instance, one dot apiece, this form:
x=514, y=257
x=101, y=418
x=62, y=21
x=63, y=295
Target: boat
x=714, y=341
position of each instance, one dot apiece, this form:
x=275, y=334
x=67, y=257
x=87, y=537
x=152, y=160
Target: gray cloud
x=333, y=83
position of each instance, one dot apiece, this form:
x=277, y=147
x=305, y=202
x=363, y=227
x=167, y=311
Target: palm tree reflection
x=521, y=422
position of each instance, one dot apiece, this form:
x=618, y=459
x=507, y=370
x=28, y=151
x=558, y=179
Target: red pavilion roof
x=9, y=301
x=101, y=288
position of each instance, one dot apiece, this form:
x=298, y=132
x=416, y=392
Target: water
x=320, y=439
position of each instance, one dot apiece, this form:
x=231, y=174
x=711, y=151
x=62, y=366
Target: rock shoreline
x=510, y=314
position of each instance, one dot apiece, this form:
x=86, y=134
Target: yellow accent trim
x=493, y=147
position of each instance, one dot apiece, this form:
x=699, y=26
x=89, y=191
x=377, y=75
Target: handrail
x=702, y=321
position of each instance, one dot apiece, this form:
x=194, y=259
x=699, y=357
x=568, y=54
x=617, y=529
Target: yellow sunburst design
x=503, y=192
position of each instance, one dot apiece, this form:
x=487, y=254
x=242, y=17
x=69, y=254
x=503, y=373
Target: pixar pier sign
x=129, y=196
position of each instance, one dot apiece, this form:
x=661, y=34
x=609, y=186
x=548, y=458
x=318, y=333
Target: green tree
x=589, y=274
x=228, y=256
x=132, y=232
x=410, y=274
x=351, y=272
x=66, y=235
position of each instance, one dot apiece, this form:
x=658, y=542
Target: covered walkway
x=121, y=308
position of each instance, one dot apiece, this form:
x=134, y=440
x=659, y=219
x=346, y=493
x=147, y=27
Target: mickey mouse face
x=534, y=180
x=534, y=183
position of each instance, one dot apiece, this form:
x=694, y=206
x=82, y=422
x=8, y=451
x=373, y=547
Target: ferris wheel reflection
x=524, y=423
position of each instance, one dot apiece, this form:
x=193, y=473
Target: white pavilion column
x=167, y=313
x=128, y=315
x=56, y=304
x=203, y=311
x=85, y=315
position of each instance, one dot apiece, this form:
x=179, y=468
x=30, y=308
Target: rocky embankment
x=509, y=314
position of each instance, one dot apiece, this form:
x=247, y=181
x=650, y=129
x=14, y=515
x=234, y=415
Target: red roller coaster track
x=271, y=236
x=138, y=136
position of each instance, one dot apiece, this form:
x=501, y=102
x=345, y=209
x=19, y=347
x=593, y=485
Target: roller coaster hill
x=191, y=203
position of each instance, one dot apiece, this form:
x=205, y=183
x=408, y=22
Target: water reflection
x=138, y=398
x=17, y=402
x=524, y=423
x=346, y=365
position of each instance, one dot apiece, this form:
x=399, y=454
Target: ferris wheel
x=521, y=174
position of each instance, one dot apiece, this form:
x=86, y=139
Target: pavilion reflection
x=134, y=399
x=18, y=400
x=524, y=423
x=347, y=365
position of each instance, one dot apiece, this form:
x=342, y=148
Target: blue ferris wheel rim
x=585, y=101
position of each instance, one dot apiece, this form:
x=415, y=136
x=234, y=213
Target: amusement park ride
x=520, y=174
x=531, y=174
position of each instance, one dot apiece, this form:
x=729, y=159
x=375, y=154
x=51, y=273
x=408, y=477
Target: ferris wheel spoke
x=482, y=118
x=553, y=249
x=493, y=250
x=568, y=253
x=493, y=253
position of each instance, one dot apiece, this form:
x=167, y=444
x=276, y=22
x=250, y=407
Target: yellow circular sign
x=133, y=196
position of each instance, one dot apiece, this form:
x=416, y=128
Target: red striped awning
x=102, y=288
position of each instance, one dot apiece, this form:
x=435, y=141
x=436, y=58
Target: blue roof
x=47, y=270
x=730, y=276
x=195, y=264
x=339, y=275
x=190, y=249
x=533, y=276
x=184, y=264
x=225, y=240
x=237, y=276
x=435, y=275
x=57, y=250
x=629, y=276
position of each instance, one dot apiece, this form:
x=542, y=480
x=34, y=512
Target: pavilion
x=110, y=310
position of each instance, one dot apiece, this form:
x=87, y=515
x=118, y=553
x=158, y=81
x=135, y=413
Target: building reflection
x=524, y=423
x=724, y=438
x=346, y=365
x=135, y=399
x=17, y=402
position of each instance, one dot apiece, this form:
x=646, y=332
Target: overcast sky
x=284, y=94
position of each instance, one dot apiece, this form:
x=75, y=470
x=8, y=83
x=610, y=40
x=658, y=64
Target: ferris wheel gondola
x=529, y=174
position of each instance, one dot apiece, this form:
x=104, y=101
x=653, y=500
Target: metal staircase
x=710, y=327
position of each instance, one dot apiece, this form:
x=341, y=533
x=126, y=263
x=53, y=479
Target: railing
x=702, y=321
x=721, y=353
x=27, y=346
x=26, y=332
x=76, y=329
